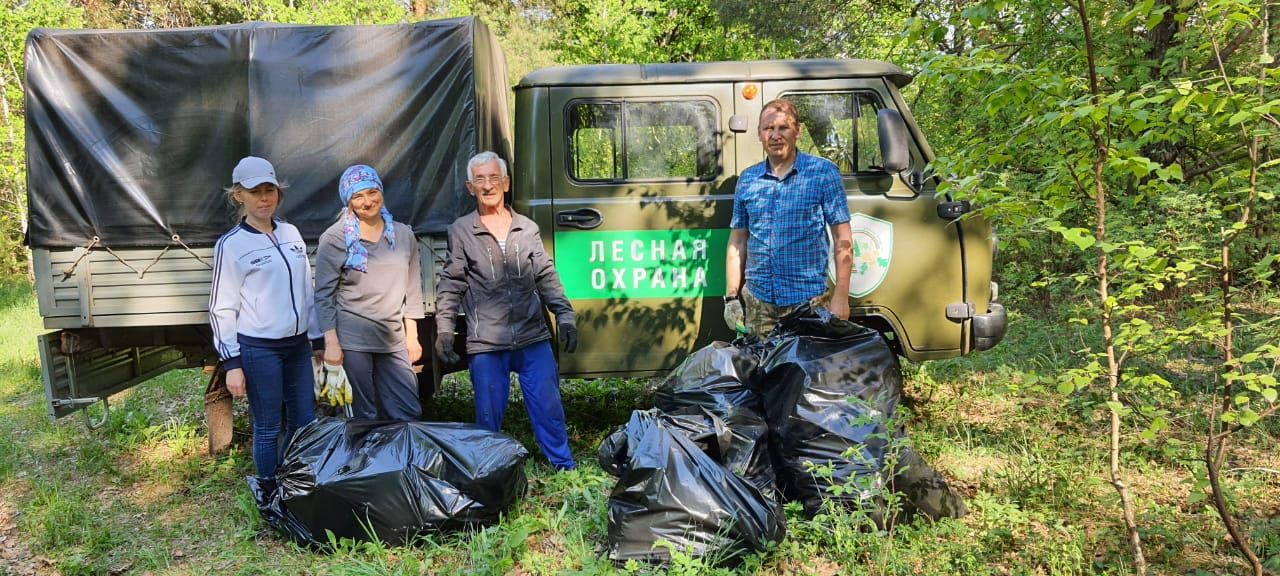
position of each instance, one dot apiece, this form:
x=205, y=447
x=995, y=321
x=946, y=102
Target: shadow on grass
x=593, y=409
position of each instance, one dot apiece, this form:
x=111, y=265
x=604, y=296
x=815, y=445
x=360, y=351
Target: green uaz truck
x=629, y=170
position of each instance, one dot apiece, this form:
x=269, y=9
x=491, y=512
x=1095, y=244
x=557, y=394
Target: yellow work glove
x=317, y=366
x=336, y=387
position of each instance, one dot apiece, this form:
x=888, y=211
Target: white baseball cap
x=252, y=171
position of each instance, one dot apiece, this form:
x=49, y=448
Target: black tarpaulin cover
x=398, y=479
x=132, y=135
x=671, y=488
x=718, y=378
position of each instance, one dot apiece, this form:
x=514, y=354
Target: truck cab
x=629, y=170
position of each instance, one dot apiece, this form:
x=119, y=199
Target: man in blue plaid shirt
x=780, y=209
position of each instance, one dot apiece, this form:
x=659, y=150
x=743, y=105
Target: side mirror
x=894, y=154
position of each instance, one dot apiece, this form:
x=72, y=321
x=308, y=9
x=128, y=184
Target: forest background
x=1125, y=151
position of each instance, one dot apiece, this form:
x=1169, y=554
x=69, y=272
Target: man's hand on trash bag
x=444, y=348
x=733, y=316
x=569, y=337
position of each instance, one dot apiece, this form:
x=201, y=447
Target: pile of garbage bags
x=390, y=480
x=805, y=415
x=672, y=487
x=714, y=380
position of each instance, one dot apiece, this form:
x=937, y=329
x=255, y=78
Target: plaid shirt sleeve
x=835, y=206
x=740, y=219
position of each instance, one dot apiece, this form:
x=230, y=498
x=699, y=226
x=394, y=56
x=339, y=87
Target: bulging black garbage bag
x=830, y=388
x=670, y=489
x=717, y=378
x=392, y=480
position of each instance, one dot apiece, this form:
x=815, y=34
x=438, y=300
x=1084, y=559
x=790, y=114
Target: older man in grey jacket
x=499, y=276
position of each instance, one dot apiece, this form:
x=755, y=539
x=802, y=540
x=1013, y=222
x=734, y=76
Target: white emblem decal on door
x=872, y=254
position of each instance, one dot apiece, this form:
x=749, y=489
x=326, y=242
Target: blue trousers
x=280, y=385
x=383, y=385
x=539, y=382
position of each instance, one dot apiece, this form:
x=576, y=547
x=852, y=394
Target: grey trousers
x=383, y=386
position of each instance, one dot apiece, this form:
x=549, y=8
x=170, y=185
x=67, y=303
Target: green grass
x=140, y=495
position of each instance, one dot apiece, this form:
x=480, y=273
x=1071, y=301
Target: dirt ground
x=15, y=557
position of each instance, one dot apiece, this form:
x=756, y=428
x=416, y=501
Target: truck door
x=642, y=197
x=908, y=263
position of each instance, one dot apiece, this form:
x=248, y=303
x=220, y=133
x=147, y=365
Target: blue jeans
x=540, y=384
x=280, y=385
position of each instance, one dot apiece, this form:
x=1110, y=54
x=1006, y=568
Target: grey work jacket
x=502, y=295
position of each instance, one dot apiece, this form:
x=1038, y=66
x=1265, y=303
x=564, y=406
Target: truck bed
x=137, y=287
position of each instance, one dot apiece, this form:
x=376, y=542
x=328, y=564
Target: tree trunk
x=1113, y=366
x=1161, y=37
x=1215, y=450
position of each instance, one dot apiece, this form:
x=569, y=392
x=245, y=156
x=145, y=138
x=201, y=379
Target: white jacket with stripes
x=261, y=289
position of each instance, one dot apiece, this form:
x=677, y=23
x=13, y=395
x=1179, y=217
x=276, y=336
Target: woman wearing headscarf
x=368, y=298
x=260, y=309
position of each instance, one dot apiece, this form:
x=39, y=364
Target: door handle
x=582, y=218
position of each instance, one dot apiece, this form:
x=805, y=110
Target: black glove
x=444, y=348
x=569, y=337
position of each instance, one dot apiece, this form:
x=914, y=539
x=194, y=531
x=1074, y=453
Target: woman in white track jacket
x=262, y=313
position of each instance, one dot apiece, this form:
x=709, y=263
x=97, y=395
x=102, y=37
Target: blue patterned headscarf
x=355, y=179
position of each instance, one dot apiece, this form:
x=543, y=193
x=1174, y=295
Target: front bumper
x=989, y=328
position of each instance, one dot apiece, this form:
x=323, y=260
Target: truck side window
x=868, y=135
x=668, y=140
x=840, y=127
x=594, y=129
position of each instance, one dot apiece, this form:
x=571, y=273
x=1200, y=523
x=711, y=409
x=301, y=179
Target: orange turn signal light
x=749, y=91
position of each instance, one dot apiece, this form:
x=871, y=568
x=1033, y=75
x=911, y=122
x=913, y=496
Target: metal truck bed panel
x=78, y=374
x=78, y=288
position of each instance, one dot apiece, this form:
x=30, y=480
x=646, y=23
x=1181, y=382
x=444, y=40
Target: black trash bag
x=392, y=480
x=266, y=494
x=669, y=489
x=832, y=386
x=806, y=320
x=717, y=378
